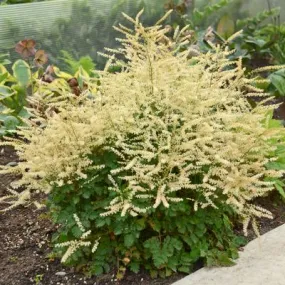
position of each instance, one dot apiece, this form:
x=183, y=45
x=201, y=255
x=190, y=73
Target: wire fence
x=83, y=27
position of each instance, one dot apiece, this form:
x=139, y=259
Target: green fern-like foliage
x=166, y=141
x=72, y=65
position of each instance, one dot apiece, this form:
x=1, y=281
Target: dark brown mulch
x=24, y=246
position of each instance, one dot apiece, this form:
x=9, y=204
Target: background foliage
x=162, y=240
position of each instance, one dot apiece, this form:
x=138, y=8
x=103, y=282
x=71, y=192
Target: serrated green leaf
x=194, y=238
x=76, y=231
x=153, y=273
x=184, y=269
x=177, y=244
x=159, y=260
x=225, y=260
x=129, y=240
x=86, y=194
x=168, y=272
x=97, y=269
x=76, y=200
x=135, y=267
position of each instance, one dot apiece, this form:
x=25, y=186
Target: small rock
x=12, y=163
x=60, y=273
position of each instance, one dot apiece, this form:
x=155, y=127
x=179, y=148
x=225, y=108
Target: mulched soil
x=24, y=245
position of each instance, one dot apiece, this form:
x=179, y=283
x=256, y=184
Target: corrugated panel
x=82, y=27
x=28, y=17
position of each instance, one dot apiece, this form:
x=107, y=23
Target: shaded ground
x=24, y=246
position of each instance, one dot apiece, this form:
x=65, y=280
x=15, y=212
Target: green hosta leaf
x=278, y=81
x=11, y=122
x=3, y=131
x=280, y=190
x=256, y=43
x=24, y=114
x=3, y=77
x=22, y=72
x=3, y=74
x=279, y=185
x=6, y=92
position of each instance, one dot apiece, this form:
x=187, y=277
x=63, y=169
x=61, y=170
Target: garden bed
x=25, y=249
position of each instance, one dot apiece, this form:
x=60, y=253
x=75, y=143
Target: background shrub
x=158, y=164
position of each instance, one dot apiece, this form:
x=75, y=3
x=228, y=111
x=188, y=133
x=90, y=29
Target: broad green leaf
x=280, y=188
x=280, y=72
x=255, y=42
x=11, y=122
x=3, y=74
x=22, y=72
x=24, y=113
x=6, y=92
x=278, y=82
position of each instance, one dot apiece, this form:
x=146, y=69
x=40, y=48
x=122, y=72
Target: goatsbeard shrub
x=153, y=171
